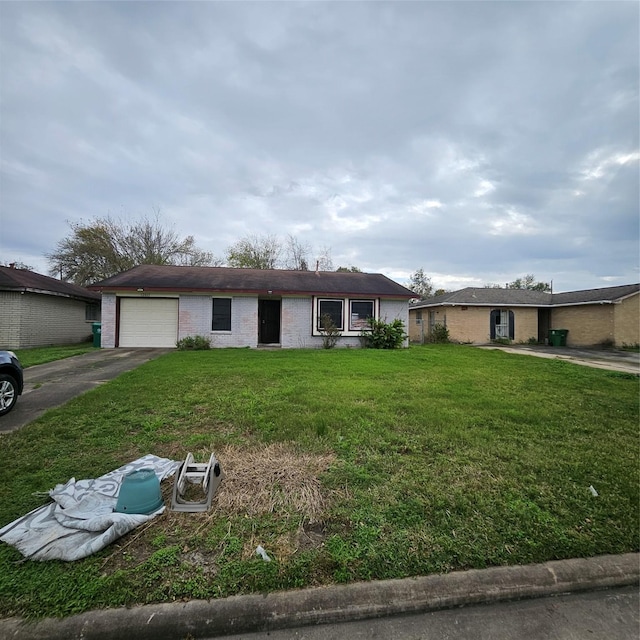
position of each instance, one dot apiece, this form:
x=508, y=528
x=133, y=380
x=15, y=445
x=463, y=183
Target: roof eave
x=47, y=292
x=256, y=292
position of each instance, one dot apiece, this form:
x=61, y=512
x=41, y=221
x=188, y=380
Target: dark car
x=11, y=381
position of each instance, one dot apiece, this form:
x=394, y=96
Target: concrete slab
x=611, y=360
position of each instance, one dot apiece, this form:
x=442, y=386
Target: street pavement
x=611, y=614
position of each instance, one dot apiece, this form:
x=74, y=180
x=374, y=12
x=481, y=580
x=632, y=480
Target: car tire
x=8, y=393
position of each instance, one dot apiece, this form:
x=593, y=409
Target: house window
x=221, y=318
x=502, y=324
x=92, y=312
x=418, y=317
x=334, y=310
x=359, y=313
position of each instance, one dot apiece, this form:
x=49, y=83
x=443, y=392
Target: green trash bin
x=97, y=333
x=558, y=337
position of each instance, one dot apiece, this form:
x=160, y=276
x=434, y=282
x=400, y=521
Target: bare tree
x=324, y=261
x=99, y=249
x=296, y=254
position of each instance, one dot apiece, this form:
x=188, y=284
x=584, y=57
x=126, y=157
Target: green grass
x=447, y=457
x=42, y=355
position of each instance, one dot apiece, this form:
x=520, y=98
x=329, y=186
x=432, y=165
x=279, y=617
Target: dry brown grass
x=277, y=479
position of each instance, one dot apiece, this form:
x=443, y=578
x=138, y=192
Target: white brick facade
x=195, y=319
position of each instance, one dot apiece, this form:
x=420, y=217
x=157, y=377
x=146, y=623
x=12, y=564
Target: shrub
x=501, y=341
x=330, y=333
x=383, y=335
x=439, y=334
x=194, y=343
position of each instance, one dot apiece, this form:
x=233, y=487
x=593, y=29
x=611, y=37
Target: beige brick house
x=593, y=317
x=37, y=310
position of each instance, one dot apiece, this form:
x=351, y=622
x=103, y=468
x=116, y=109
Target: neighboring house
x=607, y=316
x=155, y=306
x=37, y=310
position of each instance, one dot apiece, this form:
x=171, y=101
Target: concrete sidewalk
x=335, y=604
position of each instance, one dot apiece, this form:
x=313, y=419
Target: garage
x=148, y=322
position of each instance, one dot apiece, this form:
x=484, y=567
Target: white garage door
x=148, y=322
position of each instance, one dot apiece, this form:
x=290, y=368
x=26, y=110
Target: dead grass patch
x=277, y=479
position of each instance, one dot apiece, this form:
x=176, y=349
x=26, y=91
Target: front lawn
x=41, y=355
x=343, y=464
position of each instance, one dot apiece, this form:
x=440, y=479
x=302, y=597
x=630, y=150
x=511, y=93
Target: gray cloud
x=480, y=141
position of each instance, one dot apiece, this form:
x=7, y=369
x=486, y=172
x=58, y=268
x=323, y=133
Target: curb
x=334, y=604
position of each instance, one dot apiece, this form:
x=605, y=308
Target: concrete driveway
x=613, y=360
x=52, y=384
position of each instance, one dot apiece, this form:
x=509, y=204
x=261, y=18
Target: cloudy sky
x=480, y=141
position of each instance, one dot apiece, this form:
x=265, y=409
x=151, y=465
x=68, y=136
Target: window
x=221, y=319
x=502, y=324
x=333, y=309
x=92, y=312
x=418, y=317
x=349, y=315
x=361, y=311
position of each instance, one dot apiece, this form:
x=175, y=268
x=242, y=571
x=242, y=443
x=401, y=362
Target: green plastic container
x=97, y=333
x=139, y=493
x=558, y=337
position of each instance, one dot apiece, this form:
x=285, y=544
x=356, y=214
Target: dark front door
x=269, y=320
x=544, y=324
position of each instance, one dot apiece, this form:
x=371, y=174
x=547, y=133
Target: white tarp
x=81, y=520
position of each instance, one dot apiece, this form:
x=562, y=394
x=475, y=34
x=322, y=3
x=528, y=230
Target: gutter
x=48, y=292
x=256, y=292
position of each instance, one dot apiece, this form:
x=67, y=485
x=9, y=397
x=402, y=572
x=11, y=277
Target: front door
x=544, y=324
x=269, y=321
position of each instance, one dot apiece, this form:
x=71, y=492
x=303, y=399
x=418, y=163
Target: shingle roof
x=277, y=281
x=29, y=281
x=605, y=294
x=523, y=297
x=489, y=296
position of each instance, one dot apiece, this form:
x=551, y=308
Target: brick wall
x=108, y=335
x=588, y=325
x=472, y=324
x=195, y=319
x=32, y=320
x=626, y=318
x=11, y=310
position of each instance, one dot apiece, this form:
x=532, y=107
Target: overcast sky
x=480, y=141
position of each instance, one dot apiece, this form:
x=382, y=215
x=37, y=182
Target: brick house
x=37, y=310
x=606, y=316
x=155, y=306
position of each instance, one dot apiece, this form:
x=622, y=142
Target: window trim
x=230, y=299
x=318, y=315
x=365, y=327
x=347, y=330
x=92, y=312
